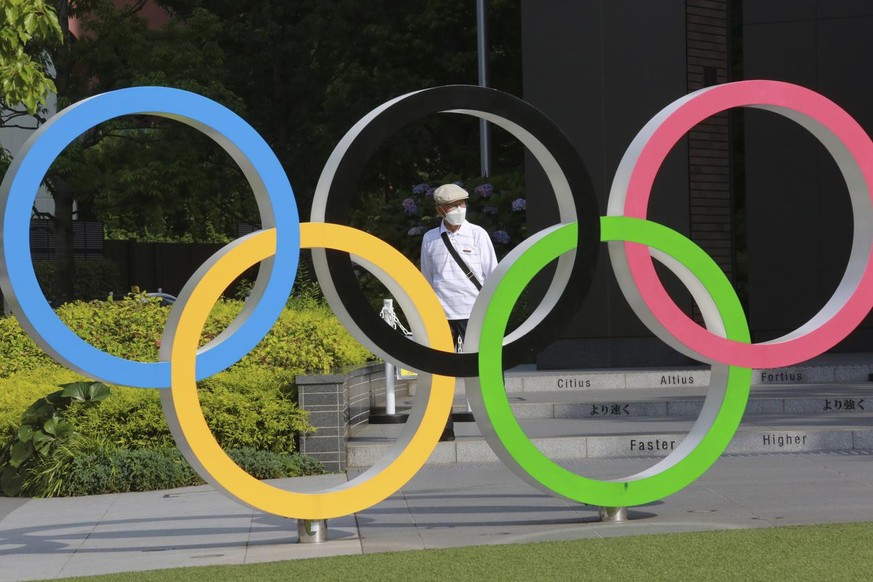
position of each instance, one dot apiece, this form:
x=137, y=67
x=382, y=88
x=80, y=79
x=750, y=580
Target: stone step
x=822, y=371
x=521, y=380
x=788, y=399
x=568, y=439
x=834, y=400
x=827, y=368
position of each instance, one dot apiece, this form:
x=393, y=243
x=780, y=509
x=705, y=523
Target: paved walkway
x=443, y=506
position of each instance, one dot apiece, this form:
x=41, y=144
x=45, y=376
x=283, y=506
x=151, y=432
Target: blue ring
x=259, y=163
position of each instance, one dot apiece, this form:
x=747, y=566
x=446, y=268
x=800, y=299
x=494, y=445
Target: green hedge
x=251, y=406
x=244, y=407
x=44, y=429
x=309, y=340
x=18, y=393
x=89, y=467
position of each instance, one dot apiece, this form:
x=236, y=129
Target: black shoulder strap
x=461, y=262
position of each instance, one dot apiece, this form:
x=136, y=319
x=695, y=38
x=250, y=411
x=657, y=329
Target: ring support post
x=613, y=514
x=311, y=531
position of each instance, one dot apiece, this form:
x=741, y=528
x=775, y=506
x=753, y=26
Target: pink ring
x=851, y=148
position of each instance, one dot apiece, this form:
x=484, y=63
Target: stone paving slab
x=632, y=437
x=50, y=538
x=442, y=506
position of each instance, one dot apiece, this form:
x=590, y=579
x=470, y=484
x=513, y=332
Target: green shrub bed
x=89, y=468
x=22, y=390
x=254, y=408
x=309, y=340
x=124, y=439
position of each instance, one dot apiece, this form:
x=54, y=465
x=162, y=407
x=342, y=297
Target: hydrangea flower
x=484, y=190
x=430, y=192
x=420, y=189
x=492, y=210
x=500, y=236
x=519, y=204
x=409, y=207
x=417, y=230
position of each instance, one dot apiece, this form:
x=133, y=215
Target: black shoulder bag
x=461, y=262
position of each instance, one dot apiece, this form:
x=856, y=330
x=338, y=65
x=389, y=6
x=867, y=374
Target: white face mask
x=456, y=215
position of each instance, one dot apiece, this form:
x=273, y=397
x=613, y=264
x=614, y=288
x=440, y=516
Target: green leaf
x=40, y=437
x=44, y=448
x=10, y=482
x=11, y=14
x=21, y=451
x=57, y=401
x=30, y=23
x=86, y=391
x=25, y=432
x=99, y=392
x=57, y=427
x=37, y=411
x=43, y=442
x=76, y=390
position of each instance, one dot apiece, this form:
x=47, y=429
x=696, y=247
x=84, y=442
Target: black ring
x=394, y=115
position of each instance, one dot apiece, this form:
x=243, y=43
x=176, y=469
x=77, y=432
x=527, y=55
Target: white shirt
x=454, y=290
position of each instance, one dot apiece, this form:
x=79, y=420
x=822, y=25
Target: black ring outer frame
x=414, y=107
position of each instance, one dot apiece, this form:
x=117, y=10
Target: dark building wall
x=601, y=69
x=711, y=202
x=799, y=217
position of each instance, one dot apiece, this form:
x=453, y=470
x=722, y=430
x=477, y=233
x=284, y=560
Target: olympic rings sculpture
x=633, y=242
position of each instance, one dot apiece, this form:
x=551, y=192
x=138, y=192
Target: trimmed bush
x=119, y=471
x=19, y=353
x=252, y=407
x=44, y=428
x=18, y=393
x=88, y=467
x=131, y=418
x=268, y=465
x=258, y=388
x=309, y=340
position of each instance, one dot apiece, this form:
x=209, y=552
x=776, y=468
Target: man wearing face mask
x=456, y=257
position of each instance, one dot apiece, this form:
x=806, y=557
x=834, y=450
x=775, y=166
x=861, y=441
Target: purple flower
x=500, y=236
x=409, y=207
x=484, y=190
x=429, y=192
x=420, y=189
x=416, y=231
x=519, y=204
x=492, y=210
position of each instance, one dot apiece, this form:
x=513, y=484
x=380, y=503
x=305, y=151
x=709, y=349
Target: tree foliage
x=30, y=26
x=301, y=72
x=308, y=70
x=148, y=177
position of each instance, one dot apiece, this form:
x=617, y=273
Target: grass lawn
x=820, y=552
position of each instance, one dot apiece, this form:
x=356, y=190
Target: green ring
x=651, y=484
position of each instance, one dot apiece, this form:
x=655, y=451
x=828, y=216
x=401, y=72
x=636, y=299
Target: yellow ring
x=182, y=404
